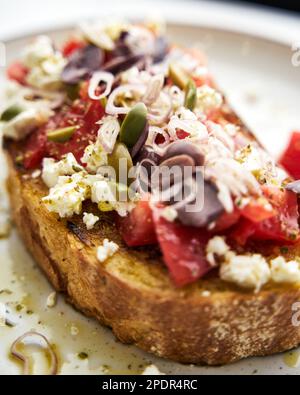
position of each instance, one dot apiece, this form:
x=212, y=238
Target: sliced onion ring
x=154, y=131
x=26, y=362
x=100, y=76
x=112, y=109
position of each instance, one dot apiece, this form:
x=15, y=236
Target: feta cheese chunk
x=40, y=49
x=65, y=167
x=45, y=64
x=216, y=247
x=24, y=123
x=90, y=220
x=52, y=300
x=94, y=157
x=67, y=196
x=208, y=99
x=152, y=370
x=247, y=271
x=107, y=250
x=285, y=272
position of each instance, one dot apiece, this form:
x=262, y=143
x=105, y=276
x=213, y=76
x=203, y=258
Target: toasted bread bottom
x=132, y=293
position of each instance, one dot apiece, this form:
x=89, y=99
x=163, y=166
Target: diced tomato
x=181, y=134
x=290, y=159
x=36, y=149
x=137, y=229
x=183, y=248
x=226, y=221
x=17, y=72
x=257, y=212
x=282, y=227
x=83, y=114
x=71, y=46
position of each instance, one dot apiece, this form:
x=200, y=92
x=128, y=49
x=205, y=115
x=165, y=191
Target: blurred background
x=20, y=17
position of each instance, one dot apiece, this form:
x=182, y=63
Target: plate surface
x=258, y=78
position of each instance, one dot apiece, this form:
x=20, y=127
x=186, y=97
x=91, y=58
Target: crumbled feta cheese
x=90, y=220
x=36, y=174
x=103, y=35
x=152, y=370
x=216, y=247
x=40, y=49
x=285, y=272
x=24, y=123
x=107, y=250
x=52, y=300
x=45, y=64
x=208, y=99
x=169, y=214
x=206, y=294
x=65, y=167
x=67, y=196
x=102, y=192
x=94, y=157
x=247, y=271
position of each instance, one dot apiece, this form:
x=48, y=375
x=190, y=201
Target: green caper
x=133, y=125
x=10, y=113
x=120, y=152
x=178, y=75
x=190, y=95
x=62, y=135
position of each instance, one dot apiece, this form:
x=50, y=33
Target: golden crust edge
x=215, y=330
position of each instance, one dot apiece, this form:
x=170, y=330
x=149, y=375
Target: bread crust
x=131, y=292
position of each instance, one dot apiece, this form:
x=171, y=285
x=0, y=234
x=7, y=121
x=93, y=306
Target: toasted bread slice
x=132, y=293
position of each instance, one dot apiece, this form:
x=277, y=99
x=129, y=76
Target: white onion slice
x=154, y=131
x=140, y=40
x=26, y=360
x=160, y=111
x=100, y=76
x=108, y=133
x=154, y=88
x=127, y=89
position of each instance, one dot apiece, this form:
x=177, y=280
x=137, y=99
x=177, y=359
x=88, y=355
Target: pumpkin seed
x=190, y=95
x=62, y=135
x=10, y=113
x=133, y=125
x=178, y=75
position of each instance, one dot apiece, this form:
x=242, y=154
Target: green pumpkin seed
x=178, y=75
x=190, y=95
x=10, y=113
x=120, y=152
x=62, y=135
x=133, y=125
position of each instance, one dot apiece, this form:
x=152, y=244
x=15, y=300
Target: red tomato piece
x=137, y=229
x=36, y=149
x=83, y=114
x=183, y=248
x=290, y=159
x=257, y=212
x=282, y=227
x=226, y=221
x=17, y=72
x=71, y=46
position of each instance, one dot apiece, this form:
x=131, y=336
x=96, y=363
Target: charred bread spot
x=79, y=232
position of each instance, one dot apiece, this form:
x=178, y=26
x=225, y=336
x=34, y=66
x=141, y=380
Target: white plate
x=258, y=77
